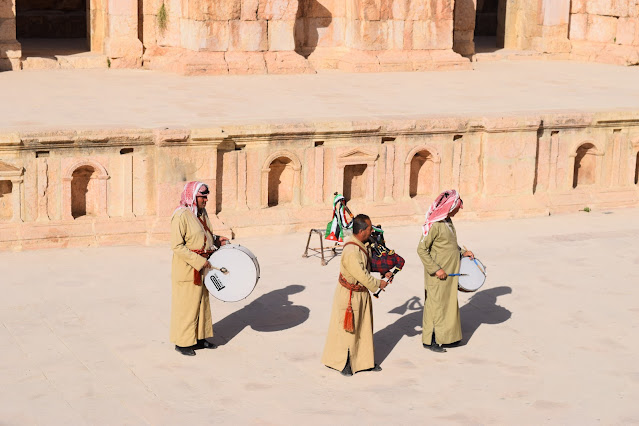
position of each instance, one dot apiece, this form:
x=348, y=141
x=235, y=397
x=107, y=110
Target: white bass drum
x=474, y=275
x=243, y=272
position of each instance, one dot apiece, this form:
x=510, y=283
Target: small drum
x=243, y=271
x=474, y=275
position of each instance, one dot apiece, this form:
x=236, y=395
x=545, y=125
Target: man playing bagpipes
x=335, y=228
x=383, y=259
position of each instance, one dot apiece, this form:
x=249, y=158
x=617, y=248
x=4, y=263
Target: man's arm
x=423, y=250
x=178, y=245
x=355, y=264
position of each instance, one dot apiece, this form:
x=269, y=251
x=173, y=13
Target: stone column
x=616, y=169
x=389, y=173
x=241, y=180
x=102, y=196
x=10, y=48
x=16, y=199
x=554, y=156
x=127, y=183
x=319, y=174
x=121, y=44
x=43, y=183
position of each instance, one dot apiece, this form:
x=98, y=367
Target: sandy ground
x=550, y=338
x=35, y=100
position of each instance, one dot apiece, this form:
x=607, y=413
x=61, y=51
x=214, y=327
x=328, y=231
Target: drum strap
x=349, y=317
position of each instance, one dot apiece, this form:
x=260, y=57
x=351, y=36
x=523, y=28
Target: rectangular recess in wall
x=42, y=154
x=318, y=143
x=239, y=147
x=457, y=137
x=387, y=139
x=125, y=151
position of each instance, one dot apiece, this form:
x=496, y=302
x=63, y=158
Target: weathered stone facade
x=114, y=187
x=301, y=36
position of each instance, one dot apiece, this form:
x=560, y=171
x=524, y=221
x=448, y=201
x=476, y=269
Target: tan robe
x=354, y=267
x=190, y=307
x=439, y=250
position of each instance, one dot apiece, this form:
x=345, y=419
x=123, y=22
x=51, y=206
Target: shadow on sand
x=269, y=312
x=481, y=309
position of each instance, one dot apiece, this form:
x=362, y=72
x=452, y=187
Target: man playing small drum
x=439, y=253
x=192, y=243
x=349, y=344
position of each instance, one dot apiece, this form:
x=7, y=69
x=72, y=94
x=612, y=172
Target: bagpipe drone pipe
x=383, y=259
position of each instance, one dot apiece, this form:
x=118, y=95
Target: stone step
x=82, y=61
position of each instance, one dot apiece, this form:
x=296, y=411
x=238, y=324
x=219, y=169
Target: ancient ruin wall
x=114, y=187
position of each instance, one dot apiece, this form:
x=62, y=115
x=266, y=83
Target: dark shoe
x=453, y=345
x=188, y=351
x=205, y=344
x=377, y=368
x=347, y=370
x=434, y=347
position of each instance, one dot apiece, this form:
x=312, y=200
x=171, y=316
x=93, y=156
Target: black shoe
x=205, y=344
x=376, y=368
x=347, y=370
x=453, y=345
x=187, y=350
x=434, y=347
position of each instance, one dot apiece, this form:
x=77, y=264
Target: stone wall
x=114, y=187
x=605, y=31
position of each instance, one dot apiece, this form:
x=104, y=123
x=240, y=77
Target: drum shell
x=475, y=275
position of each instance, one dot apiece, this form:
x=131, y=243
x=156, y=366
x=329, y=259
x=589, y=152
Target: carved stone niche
x=84, y=191
x=421, y=172
x=356, y=171
x=587, y=165
x=281, y=180
x=11, y=179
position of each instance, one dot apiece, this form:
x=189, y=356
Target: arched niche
x=421, y=171
x=84, y=191
x=281, y=179
x=586, y=165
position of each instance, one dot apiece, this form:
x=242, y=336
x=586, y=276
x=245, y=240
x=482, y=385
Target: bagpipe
x=383, y=259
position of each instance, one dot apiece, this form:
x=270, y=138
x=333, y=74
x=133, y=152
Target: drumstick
x=456, y=275
x=222, y=269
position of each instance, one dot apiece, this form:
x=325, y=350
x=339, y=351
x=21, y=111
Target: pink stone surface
x=601, y=29
x=248, y=36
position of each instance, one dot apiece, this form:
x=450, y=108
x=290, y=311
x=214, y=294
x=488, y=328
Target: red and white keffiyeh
x=445, y=203
x=191, y=190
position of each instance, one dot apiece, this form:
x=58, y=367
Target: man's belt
x=197, y=276
x=349, y=318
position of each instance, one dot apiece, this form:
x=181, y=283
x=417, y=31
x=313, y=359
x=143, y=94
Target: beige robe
x=354, y=267
x=439, y=250
x=190, y=307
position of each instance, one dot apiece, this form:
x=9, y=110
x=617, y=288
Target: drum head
x=243, y=273
x=476, y=274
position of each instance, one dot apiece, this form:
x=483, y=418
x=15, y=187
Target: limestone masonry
x=302, y=36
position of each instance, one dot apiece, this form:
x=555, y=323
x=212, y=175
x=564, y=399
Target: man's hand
x=441, y=274
x=388, y=275
x=224, y=241
x=469, y=253
x=383, y=284
x=207, y=265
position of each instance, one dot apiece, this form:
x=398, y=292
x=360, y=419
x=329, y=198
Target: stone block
x=442, y=9
x=627, y=29
x=287, y=63
x=223, y=10
x=601, y=29
x=368, y=10
x=578, y=6
x=149, y=7
x=123, y=7
x=123, y=26
x=7, y=29
x=193, y=34
x=394, y=61
x=578, y=26
x=418, y=10
x=11, y=50
x=359, y=61
x=245, y=62
x=370, y=35
x=320, y=32
x=408, y=35
x=465, y=14
x=248, y=10
x=396, y=34
x=248, y=36
x=7, y=64
x=607, y=7
x=205, y=63
x=123, y=47
x=399, y=9
x=432, y=35
x=7, y=9
x=281, y=36
x=218, y=36
x=322, y=8
x=277, y=10
x=463, y=42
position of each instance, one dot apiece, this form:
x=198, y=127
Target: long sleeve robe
x=439, y=250
x=190, y=307
x=355, y=268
